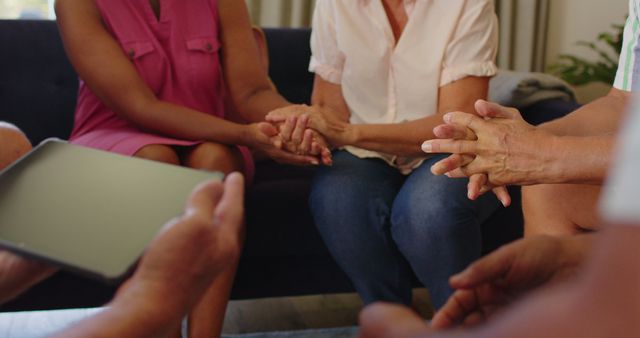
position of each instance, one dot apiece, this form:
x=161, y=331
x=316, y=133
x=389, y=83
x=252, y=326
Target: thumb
x=491, y=110
x=488, y=269
x=204, y=199
x=229, y=212
x=268, y=129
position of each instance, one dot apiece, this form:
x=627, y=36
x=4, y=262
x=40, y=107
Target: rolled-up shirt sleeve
x=621, y=198
x=327, y=60
x=474, y=44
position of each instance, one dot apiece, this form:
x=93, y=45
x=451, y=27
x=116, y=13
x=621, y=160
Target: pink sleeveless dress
x=178, y=58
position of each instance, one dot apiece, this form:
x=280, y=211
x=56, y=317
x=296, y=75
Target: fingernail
x=315, y=162
x=427, y=147
x=434, y=170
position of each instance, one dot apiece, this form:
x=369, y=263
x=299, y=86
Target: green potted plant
x=580, y=71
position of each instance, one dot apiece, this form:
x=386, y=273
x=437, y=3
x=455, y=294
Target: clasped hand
x=304, y=130
x=505, y=150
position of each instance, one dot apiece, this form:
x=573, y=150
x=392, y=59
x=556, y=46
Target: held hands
x=295, y=137
x=265, y=137
x=304, y=128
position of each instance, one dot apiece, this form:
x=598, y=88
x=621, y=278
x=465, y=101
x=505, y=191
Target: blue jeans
x=380, y=225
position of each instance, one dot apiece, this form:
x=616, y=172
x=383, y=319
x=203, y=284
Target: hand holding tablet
x=87, y=210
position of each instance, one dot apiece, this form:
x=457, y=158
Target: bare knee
x=214, y=157
x=13, y=144
x=560, y=209
x=159, y=153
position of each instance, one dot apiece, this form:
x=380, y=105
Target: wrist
x=148, y=306
x=246, y=135
x=553, y=169
x=352, y=134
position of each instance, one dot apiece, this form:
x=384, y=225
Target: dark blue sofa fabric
x=38, y=86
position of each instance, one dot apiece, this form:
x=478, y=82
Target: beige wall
x=281, y=13
x=574, y=20
x=11, y=9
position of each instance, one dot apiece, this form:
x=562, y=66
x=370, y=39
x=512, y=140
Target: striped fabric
x=619, y=203
x=628, y=75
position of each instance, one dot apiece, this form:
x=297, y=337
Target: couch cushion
x=289, y=55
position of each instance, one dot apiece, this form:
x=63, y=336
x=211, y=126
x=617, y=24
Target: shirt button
x=131, y=53
x=208, y=47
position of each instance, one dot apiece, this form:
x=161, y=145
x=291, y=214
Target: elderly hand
x=507, y=148
x=494, y=281
x=478, y=183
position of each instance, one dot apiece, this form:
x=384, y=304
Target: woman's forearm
x=180, y=122
x=403, y=139
x=255, y=106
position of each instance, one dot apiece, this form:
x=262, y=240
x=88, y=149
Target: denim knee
x=437, y=230
x=352, y=216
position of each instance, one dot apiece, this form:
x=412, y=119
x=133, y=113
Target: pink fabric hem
x=129, y=142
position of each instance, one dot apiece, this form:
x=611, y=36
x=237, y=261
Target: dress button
x=208, y=47
x=131, y=53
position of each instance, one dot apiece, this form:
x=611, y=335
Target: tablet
x=88, y=210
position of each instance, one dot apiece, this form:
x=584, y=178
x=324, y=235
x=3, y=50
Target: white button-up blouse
x=353, y=45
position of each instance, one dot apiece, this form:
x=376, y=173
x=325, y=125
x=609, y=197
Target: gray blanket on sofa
x=520, y=89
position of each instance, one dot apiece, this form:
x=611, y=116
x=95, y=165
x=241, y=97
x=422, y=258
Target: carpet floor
x=39, y=324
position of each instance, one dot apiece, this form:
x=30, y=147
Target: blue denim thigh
x=437, y=228
x=351, y=206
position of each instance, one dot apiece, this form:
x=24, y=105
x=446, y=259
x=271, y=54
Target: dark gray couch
x=283, y=255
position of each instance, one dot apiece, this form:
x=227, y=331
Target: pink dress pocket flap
x=207, y=45
x=136, y=50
